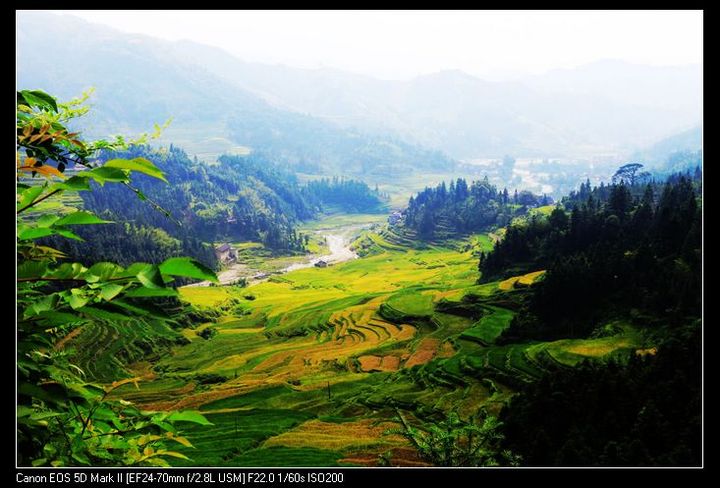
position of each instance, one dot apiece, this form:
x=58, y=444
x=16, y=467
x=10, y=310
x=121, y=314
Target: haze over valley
x=326, y=120
x=358, y=239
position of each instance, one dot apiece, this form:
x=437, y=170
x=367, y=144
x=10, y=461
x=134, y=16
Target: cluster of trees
x=348, y=194
x=620, y=248
x=243, y=198
x=240, y=198
x=631, y=250
x=462, y=208
x=642, y=412
x=125, y=242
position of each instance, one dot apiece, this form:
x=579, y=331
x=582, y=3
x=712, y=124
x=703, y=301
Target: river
x=340, y=251
x=338, y=241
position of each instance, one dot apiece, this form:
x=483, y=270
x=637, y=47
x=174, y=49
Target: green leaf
x=103, y=174
x=157, y=461
x=188, y=416
x=150, y=277
x=24, y=411
x=29, y=233
x=37, y=98
x=30, y=195
x=133, y=308
x=44, y=304
x=44, y=415
x=173, y=454
x=47, y=220
x=74, y=183
x=110, y=291
x=145, y=311
x=134, y=269
x=181, y=440
x=77, y=301
x=31, y=269
x=68, y=234
x=81, y=457
x=88, y=391
x=56, y=319
x=102, y=272
x=188, y=268
x=67, y=271
x=104, y=413
x=141, y=165
x=103, y=314
x=81, y=217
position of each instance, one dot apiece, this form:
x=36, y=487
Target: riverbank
x=336, y=231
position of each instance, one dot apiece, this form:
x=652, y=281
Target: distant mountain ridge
x=140, y=81
x=677, y=153
x=600, y=105
x=609, y=106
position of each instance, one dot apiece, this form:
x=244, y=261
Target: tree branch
x=31, y=204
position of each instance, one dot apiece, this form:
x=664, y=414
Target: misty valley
x=317, y=268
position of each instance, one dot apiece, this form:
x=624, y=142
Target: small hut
x=226, y=253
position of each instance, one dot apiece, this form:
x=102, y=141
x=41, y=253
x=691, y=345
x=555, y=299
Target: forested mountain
x=621, y=253
x=238, y=198
x=645, y=411
x=241, y=198
x=140, y=81
x=620, y=247
x=344, y=194
x=315, y=146
x=461, y=208
x=126, y=242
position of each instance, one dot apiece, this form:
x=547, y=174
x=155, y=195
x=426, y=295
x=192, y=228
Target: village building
x=226, y=253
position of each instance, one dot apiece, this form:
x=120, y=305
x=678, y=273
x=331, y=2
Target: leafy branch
x=63, y=419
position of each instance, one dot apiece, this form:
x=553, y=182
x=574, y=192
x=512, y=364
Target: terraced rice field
x=307, y=368
x=520, y=281
x=490, y=325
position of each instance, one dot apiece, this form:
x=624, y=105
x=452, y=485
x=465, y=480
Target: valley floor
x=308, y=368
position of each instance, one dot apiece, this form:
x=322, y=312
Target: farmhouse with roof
x=226, y=253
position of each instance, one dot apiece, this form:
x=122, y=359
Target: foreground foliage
x=454, y=442
x=63, y=418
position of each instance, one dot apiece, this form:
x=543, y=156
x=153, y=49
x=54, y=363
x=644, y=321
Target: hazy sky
x=400, y=44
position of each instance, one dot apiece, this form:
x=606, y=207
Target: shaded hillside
x=240, y=198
